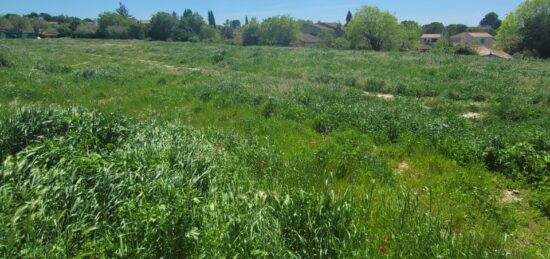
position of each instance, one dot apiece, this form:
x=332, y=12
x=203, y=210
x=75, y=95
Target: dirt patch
x=510, y=196
x=403, y=166
x=385, y=97
x=472, y=115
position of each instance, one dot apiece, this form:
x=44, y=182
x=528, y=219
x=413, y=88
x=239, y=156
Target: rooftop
x=431, y=36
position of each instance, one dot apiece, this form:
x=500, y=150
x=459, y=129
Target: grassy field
x=149, y=149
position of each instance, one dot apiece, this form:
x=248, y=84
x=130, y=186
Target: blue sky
x=469, y=12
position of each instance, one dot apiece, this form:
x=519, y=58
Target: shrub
x=86, y=30
x=5, y=61
x=251, y=33
x=278, y=30
x=465, y=51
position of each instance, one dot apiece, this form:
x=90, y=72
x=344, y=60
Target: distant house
x=308, y=40
x=17, y=35
x=146, y=22
x=315, y=29
x=473, y=38
x=430, y=39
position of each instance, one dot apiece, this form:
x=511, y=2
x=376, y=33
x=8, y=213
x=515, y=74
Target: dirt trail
x=169, y=68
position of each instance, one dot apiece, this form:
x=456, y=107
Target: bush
x=279, y=31
x=86, y=30
x=465, y=51
x=4, y=60
x=251, y=33
x=117, y=32
x=209, y=33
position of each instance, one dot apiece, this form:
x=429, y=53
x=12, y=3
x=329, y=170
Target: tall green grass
x=81, y=184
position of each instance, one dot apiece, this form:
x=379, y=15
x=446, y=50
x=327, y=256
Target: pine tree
x=348, y=18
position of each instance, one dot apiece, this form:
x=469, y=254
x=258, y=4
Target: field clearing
x=423, y=154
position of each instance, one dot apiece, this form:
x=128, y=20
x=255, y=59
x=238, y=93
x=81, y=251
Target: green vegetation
x=151, y=149
x=527, y=29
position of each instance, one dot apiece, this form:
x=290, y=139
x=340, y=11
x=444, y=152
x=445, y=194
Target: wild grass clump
x=87, y=184
x=110, y=73
x=5, y=60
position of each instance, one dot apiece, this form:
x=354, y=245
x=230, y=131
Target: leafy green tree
x=19, y=24
x=162, y=25
x=209, y=33
x=279, y=30
x=137, y=30
x=5, y=24
x=327, y=38
x=536, y=34
x=39, y=25
x=110, y=19
x=123, y=11
x=454, y=29
x=491, y=20
x=348, y=18
x=434, y=28
x=65, y=30
x=85, y=30
x=510, y=34
x=251, y=33
x=374, y=29
x=411, y=35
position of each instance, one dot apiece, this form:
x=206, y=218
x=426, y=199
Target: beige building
x=473, y=38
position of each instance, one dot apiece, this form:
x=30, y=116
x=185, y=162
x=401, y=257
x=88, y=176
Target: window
x=482, y=41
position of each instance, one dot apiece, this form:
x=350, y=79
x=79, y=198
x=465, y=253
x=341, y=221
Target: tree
x=187, y=13
x=411, y=35
x=226, y=30
x=490, y=20
x=19, y=24
x=209, y=33
x=110, y=19
x=536, y=35
x=373, y=29
x=348, y=18
x=251, y=33
x=123, y=11
x=235, y=24
x=136, y=30
x=510, y=34
x=162, y=25
x=279, y=30
x=211, y=19
x=454, y=29
x=85, y=30
x=39, y=25
x=5, y=24
x=434, y=28
x=246, y=20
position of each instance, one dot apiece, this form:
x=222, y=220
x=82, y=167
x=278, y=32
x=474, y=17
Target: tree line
x=526, y=30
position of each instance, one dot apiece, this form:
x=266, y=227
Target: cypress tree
x=246, y=20
x=348, y=18
x=211, y=19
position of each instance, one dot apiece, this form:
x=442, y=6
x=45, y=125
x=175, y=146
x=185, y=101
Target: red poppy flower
x=383, y=250
x=218, y=147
